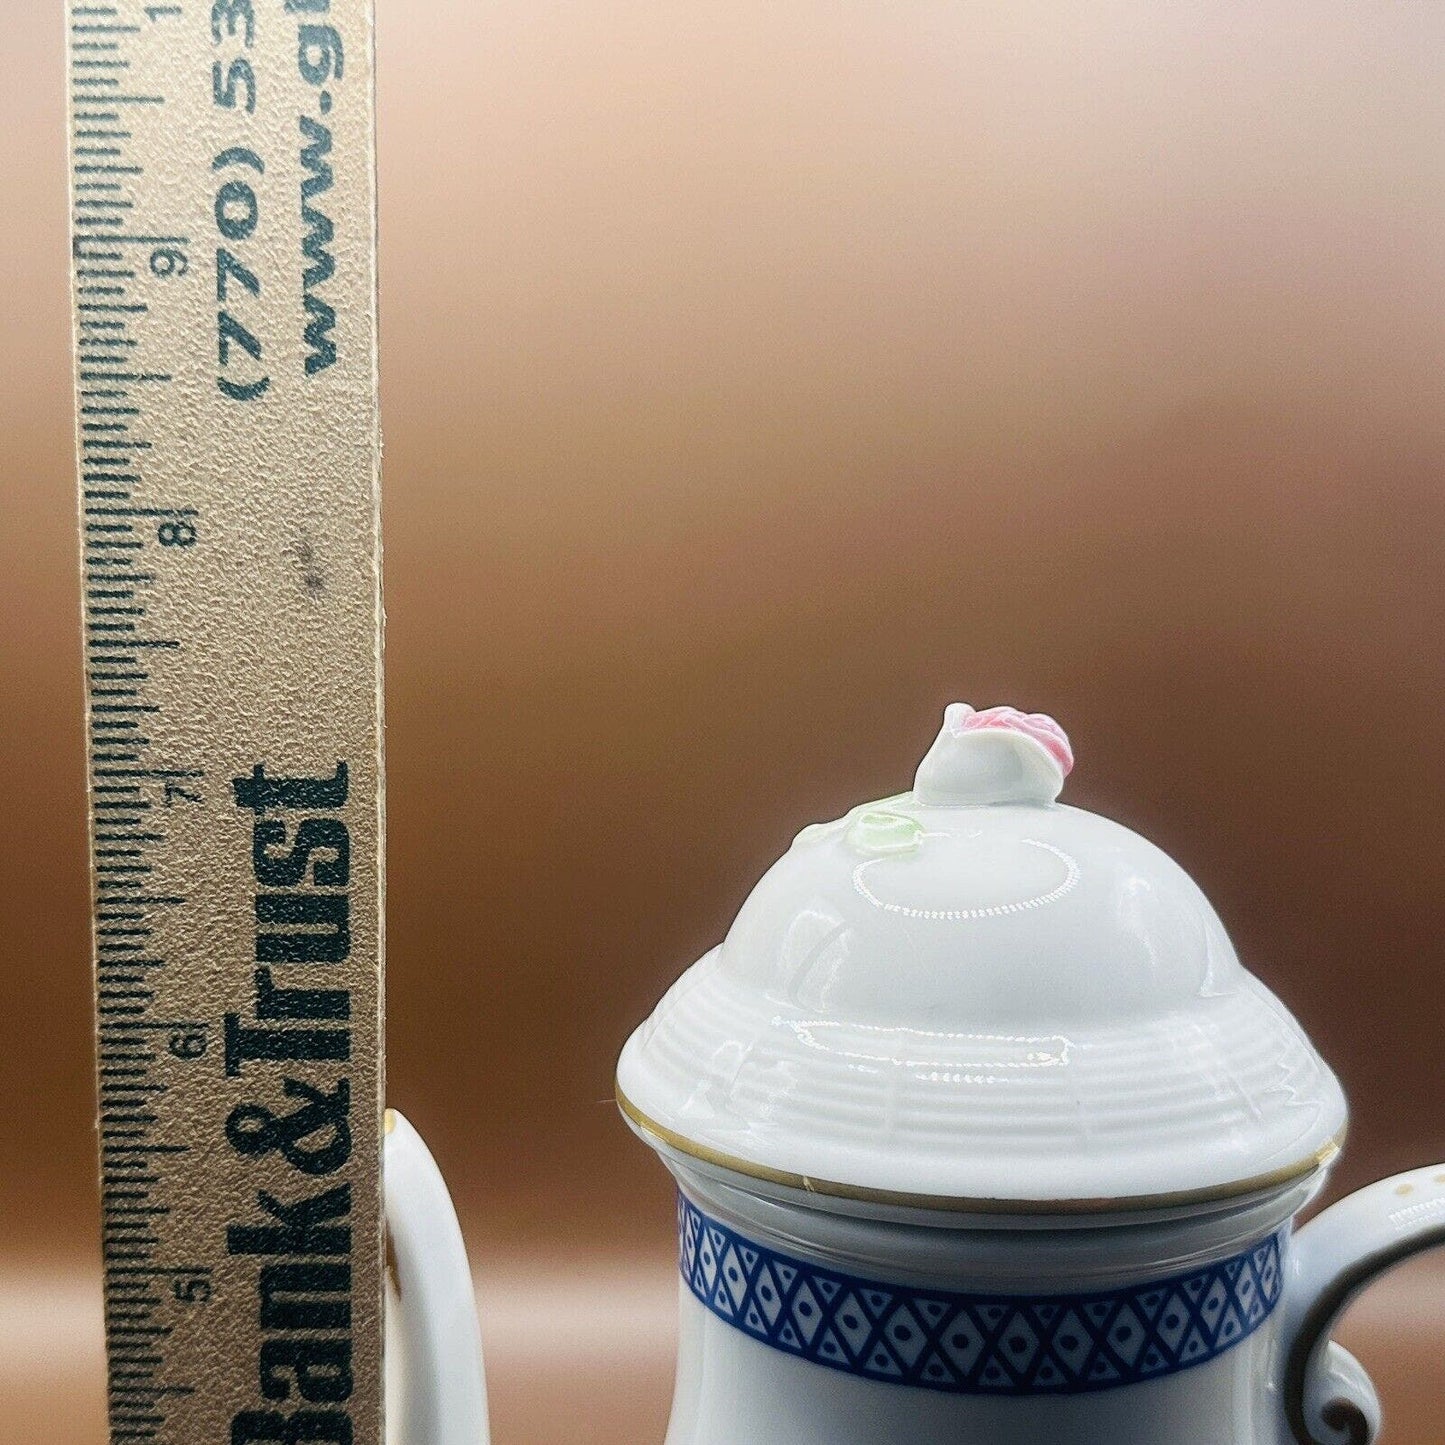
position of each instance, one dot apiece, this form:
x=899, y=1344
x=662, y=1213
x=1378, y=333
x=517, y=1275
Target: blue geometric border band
x=977, y=1344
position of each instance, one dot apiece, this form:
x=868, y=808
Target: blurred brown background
x=757, y=378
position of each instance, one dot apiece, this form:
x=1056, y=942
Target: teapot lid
x=972, y=997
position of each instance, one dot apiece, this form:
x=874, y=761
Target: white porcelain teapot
x=982, y=1136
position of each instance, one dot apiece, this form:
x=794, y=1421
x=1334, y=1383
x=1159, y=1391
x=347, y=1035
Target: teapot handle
x=436, y=1390
x=1328, y=1398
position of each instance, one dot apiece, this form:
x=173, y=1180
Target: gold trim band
x=957, y=1205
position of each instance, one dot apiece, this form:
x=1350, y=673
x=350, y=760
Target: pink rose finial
x=974, y=761
x=1036, y=725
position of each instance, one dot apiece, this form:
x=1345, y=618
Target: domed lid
x=972, y=997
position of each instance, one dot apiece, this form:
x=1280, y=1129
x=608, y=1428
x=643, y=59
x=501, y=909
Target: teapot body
x=983, y=1133
x=801, y=1325
x=736, y=1399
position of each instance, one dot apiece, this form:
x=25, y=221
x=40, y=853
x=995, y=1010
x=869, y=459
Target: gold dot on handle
x=1404, y=1189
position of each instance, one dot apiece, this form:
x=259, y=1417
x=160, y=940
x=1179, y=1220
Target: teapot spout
x=436, y=1389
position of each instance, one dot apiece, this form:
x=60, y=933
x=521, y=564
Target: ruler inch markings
x=222, y=245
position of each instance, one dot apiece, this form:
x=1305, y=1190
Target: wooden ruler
x=222, y=186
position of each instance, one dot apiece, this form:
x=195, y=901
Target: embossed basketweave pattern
x=977, y=1343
